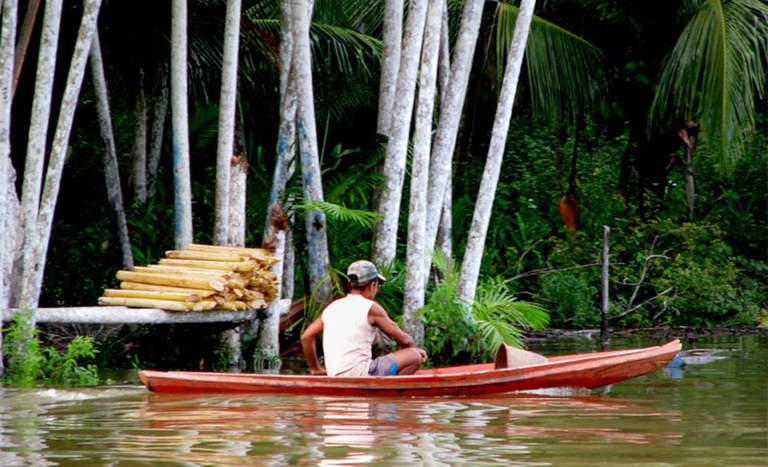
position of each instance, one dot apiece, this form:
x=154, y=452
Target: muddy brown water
x=713, y=411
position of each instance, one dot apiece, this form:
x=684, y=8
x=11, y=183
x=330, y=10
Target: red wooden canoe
x=589, y=370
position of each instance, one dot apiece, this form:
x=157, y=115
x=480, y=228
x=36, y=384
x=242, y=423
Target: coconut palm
x=691, y=64
x=714, y=72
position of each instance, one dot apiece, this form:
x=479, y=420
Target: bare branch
x=638, y=306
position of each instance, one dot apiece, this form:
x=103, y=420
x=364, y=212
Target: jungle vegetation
x=648, y=117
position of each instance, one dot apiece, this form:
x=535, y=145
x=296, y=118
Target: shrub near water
x=28, y=363
x=456, y=331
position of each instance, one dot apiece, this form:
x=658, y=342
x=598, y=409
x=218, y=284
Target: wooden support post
x=604, y=333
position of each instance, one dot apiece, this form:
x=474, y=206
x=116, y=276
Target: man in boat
x=348, y=327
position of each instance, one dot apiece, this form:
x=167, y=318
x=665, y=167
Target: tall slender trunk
x=111, y=170
x=139, y=172
x=285, y=160
x=227, y=104
x=159, y=113
x=689, y=135
x=237, y=201
x=289, y=264
x=444, y=241
x=390, y=62
x=36, y=147
x=473, y=255
x=231, y=167
x=285, y=164
x=33, y=283
x=317, y=236
x=180, y=117
x=268, y=352
x=416, y=267
x=24, y=36
x=451, y=107
x=385, y=235
x=7, y=39
x=391, y=51
x=237, y=186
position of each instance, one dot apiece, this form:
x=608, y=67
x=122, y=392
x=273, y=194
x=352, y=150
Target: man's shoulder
x=376, y=310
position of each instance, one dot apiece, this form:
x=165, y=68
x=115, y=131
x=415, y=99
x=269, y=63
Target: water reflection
x=330, y=431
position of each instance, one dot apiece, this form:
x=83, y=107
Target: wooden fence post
x=604, y=334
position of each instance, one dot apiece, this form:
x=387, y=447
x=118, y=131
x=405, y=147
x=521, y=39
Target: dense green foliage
x=668, y=265
x=29, y=363
x=456, y=330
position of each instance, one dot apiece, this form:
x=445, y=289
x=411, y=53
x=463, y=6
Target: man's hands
x=318, y=372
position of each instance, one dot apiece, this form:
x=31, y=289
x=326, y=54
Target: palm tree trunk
x=238, y=187
x=33, y=282
x=385, y=230
x=237, y=201
x=158, y=128
x=180, y=121
x=416, y=267
x=444, y=241
x=444, y=230
x=139, y=172
x=689, y=134
x=285, y=163
x=473, y=255
x=286, y=137
x=444, y=59
x=36, y=148
x=269, y=335
x=317, y=236
x=451, y=107
x=390, y=62
x=227, y=103
x=289, y=263
x=111, y=170
x=7, y=39
x=24, y=36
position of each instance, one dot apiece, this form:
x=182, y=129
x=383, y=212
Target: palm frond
x=495, y=302
x=339, y=213
x=714, y=73
x=363, y=17
x=345, y=49
x=565, y=72
x=353, y=186
x=496, y=333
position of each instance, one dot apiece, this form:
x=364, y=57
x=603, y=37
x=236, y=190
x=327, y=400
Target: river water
x=713, y=412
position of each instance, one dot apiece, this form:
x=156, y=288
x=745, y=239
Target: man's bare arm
x=308, y=339
x=377, y=316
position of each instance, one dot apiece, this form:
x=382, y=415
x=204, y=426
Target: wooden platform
x=125, y=315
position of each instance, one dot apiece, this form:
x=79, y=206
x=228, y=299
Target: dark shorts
x=386, y=365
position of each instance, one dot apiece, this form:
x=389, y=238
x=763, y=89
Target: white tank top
x=347, y=336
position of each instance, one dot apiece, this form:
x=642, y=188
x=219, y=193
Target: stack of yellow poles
x=200, y=278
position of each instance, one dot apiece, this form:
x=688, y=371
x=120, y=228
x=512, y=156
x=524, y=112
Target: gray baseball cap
x=364, y=271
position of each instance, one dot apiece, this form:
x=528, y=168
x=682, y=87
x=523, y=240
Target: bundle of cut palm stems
x=200, y=278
